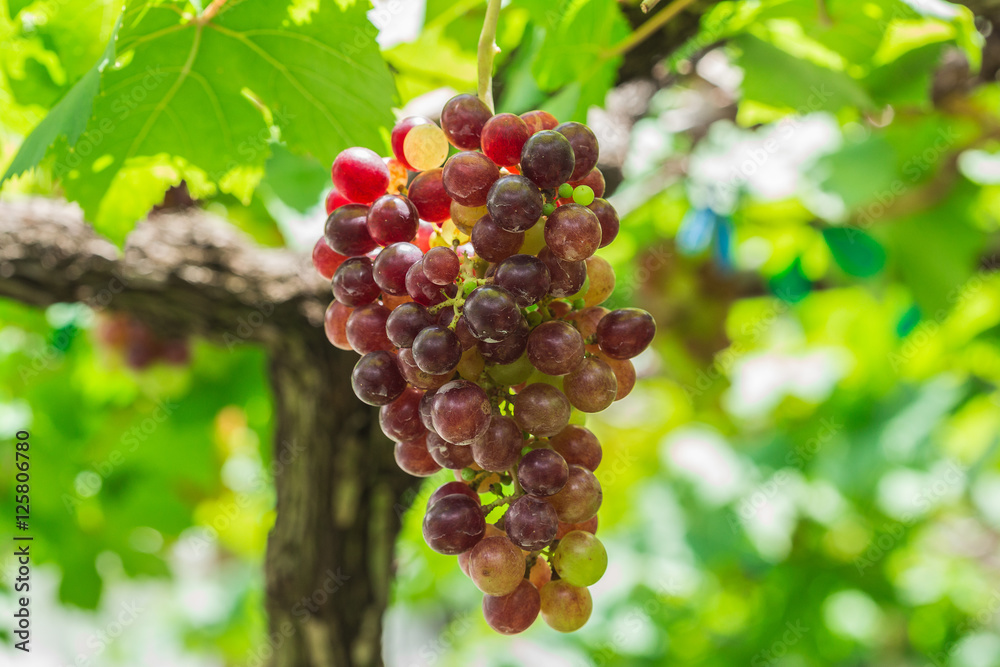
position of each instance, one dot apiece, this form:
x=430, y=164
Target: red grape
x=429, y=196
x=360, y=175
x=376, y=378
x=515, y=203
x=462, y=120
x=503, y=137
x=392, y=219
x=585, y=149
x=454, y=524
x=400, y=420
x=353, y=283
x=325, y=259
x=539, y=120
x=366, y=329
x=547, y=159
x=468, y=177
x=624, y=333
x=347, y=231
x=398, y=136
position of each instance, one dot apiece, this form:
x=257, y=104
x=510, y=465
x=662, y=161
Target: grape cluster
x=467, y=279
x=139, y=345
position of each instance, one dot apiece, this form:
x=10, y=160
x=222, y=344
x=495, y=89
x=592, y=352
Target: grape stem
x=487, y=50
x=497, y=503
x=646, y=30
x=211, y=11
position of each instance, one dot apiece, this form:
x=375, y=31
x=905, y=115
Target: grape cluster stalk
x=464, y=273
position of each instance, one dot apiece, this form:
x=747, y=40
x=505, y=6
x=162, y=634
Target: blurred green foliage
x=807, y=471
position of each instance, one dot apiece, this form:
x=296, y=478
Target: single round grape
x=366, y=329
x=413, y=458
x=624, y=373
x=461, y=412
x=590, y=525
x=441, y=265
x=583, y=195
x=471, y=366
x=412, y=373
x=602, y=281
x=526, y=278
x=594, y=180
x=566, y=277
x=392, y=219
x=585, y=148
x=428, y=194
x=391, y=265
x=513, y=373
x=542, y=472
x=398, y=177
x=513, y=613
x=531, y=523
x=466, y=217
x=592, y=386
x=578, y=446
x=425, y=146
x=540, y=573
x=587, y=319
x=376, y=378
x=447, y=455
x=400, y=420
x=499, y=446
x=539, y=120
x=448, y=488
x=580, y=559
x=436, y=350
x=565, y=191
x=325, y=259
x=335, y=324
x=508, y=350
x=335, y=200
x=353, y=283
x=565, y=607
x=405, y=322
x=422, y=290
x=463, y=119
x=515, y=203
x=360, y=175
x=496, y=566
x=468, y=177
x=541, y=410
x=491, y=313
x=624, y=333
x=555, y=347
x=398, y=136
x=424, y=233
x=580, y=498
x=547, y=159
x=346, y=231
x=454, y=524
x=503, y=138
x=492, y=243
x=573, y=233
x=608, y=218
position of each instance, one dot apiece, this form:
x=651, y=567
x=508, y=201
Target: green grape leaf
x=296, y=180
x=855, y=252
x=201, y=100
x=776, y=78
x=574, y=56
x=67, y=119
x=907, y=79
x=14, y=7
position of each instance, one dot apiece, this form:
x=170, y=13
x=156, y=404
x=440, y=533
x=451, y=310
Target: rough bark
x=339, y=492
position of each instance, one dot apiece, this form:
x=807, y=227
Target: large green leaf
x=202, y=99
x=778, y=79
x=67, y=119
x=855, y=252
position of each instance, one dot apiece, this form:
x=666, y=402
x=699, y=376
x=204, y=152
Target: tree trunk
x=340, y=494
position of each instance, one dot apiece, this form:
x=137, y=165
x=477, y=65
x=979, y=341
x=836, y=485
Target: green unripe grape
x=583, y=291
x=512, y=373
x=565, y=191
x=468, y=474
x=583, y=195
x=534, y=319
x=468, y=286
x=580, y=559
x=534, y=239
x=565, y=607
x=578, y=304
x=554, y=380
x=548, y=209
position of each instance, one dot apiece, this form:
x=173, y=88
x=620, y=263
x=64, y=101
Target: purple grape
x=463, y=119
x=547, y=159
x=585, y=148
x=492, y=243
x=491, y=313
x=391, y=266
x=347, y=231
x=555, y=347
x=405, y=322
x=376, y=378
x=542, y=472
x=531, y=523
x=353, y=282
x=454, y=524
x=515, y=203
x=468, y=177
x=436, y=350
x=525, y=277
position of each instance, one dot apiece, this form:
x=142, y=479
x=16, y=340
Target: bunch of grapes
x=473, y=293
x=138, y=344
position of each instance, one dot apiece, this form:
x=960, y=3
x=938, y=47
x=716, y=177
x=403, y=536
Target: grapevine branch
x=644, y=31
x=487, y=50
